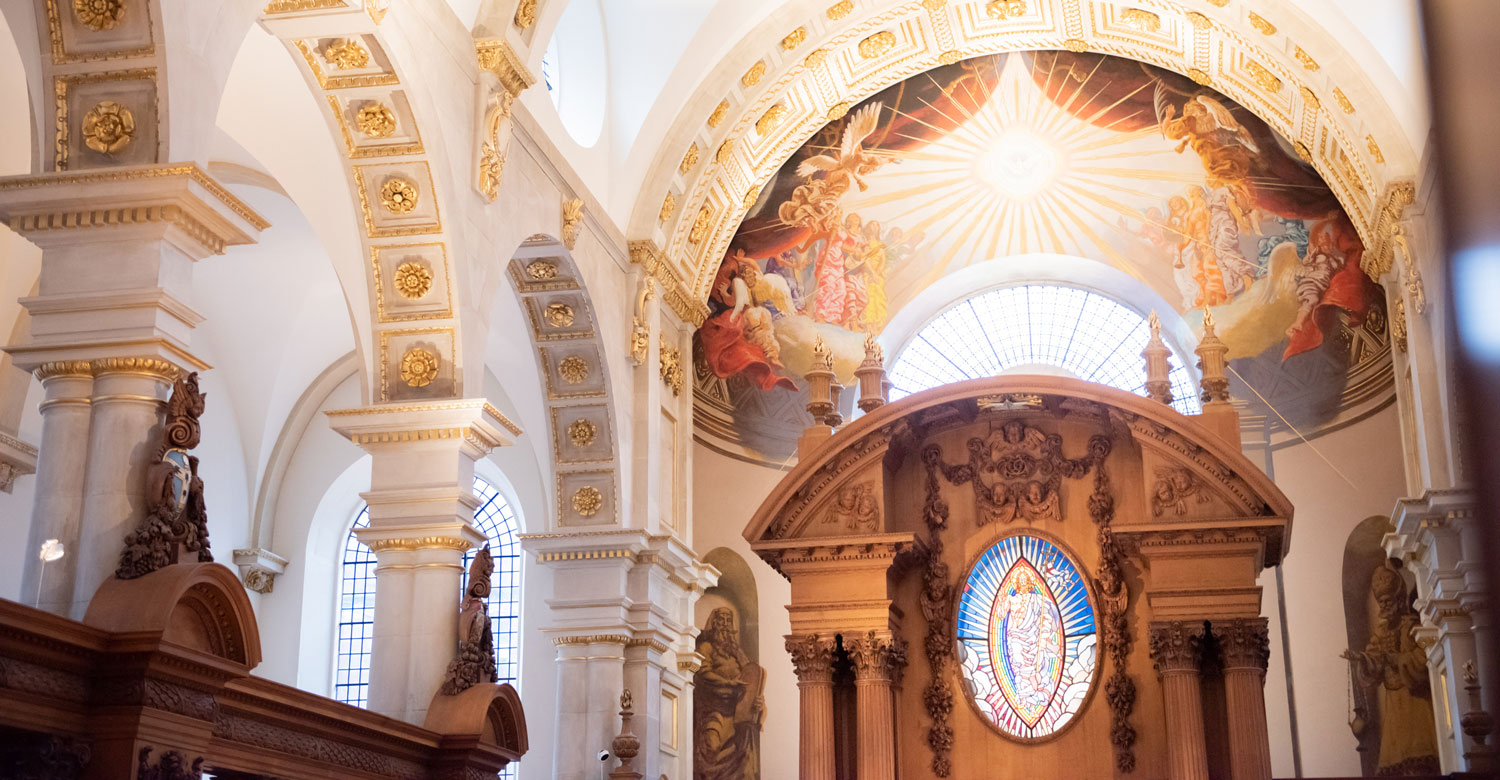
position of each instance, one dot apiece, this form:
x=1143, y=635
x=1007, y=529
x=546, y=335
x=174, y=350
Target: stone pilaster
x=1245, y=650
x=879, y=658
x=812, y=659
x=118, y=248
x=1177, y=650
x=422, y=504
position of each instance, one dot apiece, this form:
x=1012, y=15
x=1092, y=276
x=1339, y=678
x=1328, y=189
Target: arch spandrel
x=1212, y=484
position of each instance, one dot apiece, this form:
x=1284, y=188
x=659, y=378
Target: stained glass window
x=1083, y=333
x=497, y=522
x=1026, y=637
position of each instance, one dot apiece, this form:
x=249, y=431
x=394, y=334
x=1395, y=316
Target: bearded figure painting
x=1026, y=637
x=729, y=707
x=1013, y=158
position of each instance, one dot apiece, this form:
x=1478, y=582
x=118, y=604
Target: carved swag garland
x=1016, y=472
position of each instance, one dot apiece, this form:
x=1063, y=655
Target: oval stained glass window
x=1027, y=639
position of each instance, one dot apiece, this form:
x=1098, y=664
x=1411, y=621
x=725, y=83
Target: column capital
x=1244, y=643
x=877, y=655
x=1176, y=646
x=178, y=201
x=812, y=657
x=473, y=423
x=455, y=536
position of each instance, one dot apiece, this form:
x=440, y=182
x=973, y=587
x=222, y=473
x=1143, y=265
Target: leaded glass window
x=1027, y=642
x=1081, y=333
x=497, y=522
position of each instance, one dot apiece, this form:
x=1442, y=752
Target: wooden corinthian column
x=878, y=660
x=1177, y=649
x=1246, y=649
x=812, y=658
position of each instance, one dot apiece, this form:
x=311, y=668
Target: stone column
x=422, y=504
x=877, y=658
x=1177, y=647
x=57, y=505
x=812, y=658
x=1246, y=651
x=118, y=249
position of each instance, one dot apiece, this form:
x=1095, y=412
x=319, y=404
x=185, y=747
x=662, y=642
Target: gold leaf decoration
x=108, y=127
x=1265, y=78
x=837, y=111
x=1199, y=77
x=690, y=158
x=346, y=54
x=558, y=315
x=1140, y=19
x=1343, y=100
x=98, y=15
x=1259, y=22
x=933, y=6
x=668, y=207
x=815, y=58
x=1310, y=98
x=725, y=149
x=398, y=195
x=951, y=56
x=700, y=226
x=375, y=120
x=717, y=117
x=573, y=369
x=1398, y=325
x=418, y=367
x=587, y=501
x=525, y=14
x=1306, y=59
x=752, y=195
x=839, y=10
x=413, y=279
x=541, y=270
x=1199, y=21
x=582, y=432
x=1374, y=149
x=877, y=44
x=754, y=74
x=1075, y=45
x=1218, y=3
x=794, y=38
x=671, y=367
x=1302, y=151
x=771, y=119
x=1005, y=10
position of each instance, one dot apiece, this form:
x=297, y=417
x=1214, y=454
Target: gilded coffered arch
x=764, y=101
x=565, y=331
x=398, y=168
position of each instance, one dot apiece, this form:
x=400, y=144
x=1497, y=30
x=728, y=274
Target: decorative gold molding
x=572, y=218
x=593, y=639
x=77, y=368
x=300, y=6
x=155, y=368
x=497, y=57
x=573, y=369
x=1260, y=24
x=346, y=54
x=754, y=74
x=877, y=44
x=587, y=501
x=525, y=14
x=375, y=120
x=60, y=55
x=398, y=195
x=190, y=170
x=716, y=117
x=98, y=15
x=420, y=543
x=419, y=367
x=674, y=293
x=434, y=406
x=672, y=371
x=60, y=86
x=1306, y=59
x=794, y=39
x=328, y=82
x=374, y=231
x=689, y=159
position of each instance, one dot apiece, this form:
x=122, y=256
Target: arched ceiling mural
x=1081, y=154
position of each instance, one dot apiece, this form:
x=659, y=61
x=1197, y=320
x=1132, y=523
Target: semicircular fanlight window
x=1027, y=639
x=1035, y=328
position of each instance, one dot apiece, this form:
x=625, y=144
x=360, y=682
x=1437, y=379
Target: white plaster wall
x=1327, y=508
x=15, y=508
x=726, y=493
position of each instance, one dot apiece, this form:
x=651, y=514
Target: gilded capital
x=63, y=368
x=155, y=368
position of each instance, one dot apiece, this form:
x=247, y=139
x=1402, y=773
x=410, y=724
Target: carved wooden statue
x=176, y=521
x=1394, y=667
x=476, y=641
x=728, y=705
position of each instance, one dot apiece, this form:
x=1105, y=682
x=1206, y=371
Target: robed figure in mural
x=1394, y=668
x=728, y=704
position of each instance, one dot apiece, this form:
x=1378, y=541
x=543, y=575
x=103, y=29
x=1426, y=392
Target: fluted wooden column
x=876, y=658
x=1177, y=649
x=1246, y=650
x=812, y=658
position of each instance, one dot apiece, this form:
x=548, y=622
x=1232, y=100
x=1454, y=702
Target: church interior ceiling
x=1081, y=154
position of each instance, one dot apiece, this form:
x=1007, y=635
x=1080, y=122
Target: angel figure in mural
x=1396, y=668
x=729, y=706
x=753, y=295
x=1223, y=144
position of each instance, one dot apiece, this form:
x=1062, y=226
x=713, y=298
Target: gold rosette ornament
x=413, y=279
x=587, y=501
x=398, y=196
x=108, y=128
x=98, y=15
x=418, y=367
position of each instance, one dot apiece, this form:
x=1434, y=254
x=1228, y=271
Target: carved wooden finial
x=821, y=399
x=1158, y=386
x=626, y=746
x=1213, y=360
x=871, y=375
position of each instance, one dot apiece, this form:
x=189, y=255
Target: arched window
x=1035, y=328
x=497, y=522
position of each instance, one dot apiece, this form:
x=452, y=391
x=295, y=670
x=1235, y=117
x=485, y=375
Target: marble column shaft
x=1246, y=650
x=812, y=659
x=1177, y=647
x=57, y=505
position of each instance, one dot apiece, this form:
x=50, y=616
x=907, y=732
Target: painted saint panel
x=1080, y=154
x=1026, y=637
